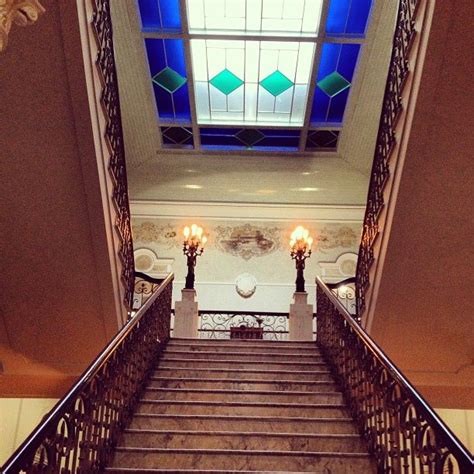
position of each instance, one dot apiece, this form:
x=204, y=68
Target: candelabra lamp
x=300, y=245
x=193, y=247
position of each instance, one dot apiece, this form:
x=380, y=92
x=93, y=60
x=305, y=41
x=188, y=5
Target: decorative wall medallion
x=20, y=12
x=343, y=267
x=163, y=234
x=247, y=241
x=146, y=261
x=245, y=285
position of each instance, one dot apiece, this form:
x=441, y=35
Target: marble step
x=240, y=364
x=231, y=346
x=242, y=384
x=260, y=356
x=218, y=344
x=222, y=459
x=203, y=407
x=226, y=395
x=242, y=440
x=279, y=424
x=262, y=373
x=123, y=470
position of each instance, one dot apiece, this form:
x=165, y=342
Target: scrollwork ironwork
x=102, y=25
x=80, y=433
x=402, y=431
x=391, y=108
x=217, y=324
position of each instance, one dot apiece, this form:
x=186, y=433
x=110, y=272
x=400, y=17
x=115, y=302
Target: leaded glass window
x=253, y=74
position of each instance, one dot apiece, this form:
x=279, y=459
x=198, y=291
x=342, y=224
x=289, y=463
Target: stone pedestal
x=186, y=315
x=301, y=318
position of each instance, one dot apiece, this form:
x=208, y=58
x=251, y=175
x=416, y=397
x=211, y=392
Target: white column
x=186, y=315
x=301, y=318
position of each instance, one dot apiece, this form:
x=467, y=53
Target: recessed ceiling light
x=192, y=186
x=191, y=171
x=307, y=190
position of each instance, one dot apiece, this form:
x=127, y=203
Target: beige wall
x=461, y=423
x=18, y=417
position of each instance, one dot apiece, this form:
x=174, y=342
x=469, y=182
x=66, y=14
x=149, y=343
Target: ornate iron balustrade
x=217, y=324
x=345, y=292
x=391, y=108
x=81, y=431
x=102, y=25
x=144, y=287
x=403, y=433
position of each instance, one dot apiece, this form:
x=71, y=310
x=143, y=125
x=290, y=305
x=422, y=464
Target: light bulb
x=203, y=240
x=193, y=229
x=310, y=241
x=186, y=232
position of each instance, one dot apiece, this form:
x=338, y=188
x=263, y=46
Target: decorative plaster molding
x=19, y=12
x=249, y=212
x=146, y=261
x=245, y=285
x=344, y=267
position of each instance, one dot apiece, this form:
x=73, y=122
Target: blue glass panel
x=172, y=98
x=236, y=139
x=348, y=17
x=337, y=61
x=177, y=137
x=160, y=14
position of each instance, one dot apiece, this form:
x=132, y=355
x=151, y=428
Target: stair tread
x=172, y=350
x=243, y=403
x=241, y=361
x=260, y=381
x=200, y=471
x=242, y=433
x=242, y=392
x=299, y=419
x=251, y=452
x=250, y=371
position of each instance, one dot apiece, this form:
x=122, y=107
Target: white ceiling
x=322, y=179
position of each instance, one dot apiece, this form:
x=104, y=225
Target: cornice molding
x=18, y=12
x=247, y=212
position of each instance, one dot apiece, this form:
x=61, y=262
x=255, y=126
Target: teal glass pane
x=169, y=79
x=226, y=82
x=333, y=84
x=276, y=83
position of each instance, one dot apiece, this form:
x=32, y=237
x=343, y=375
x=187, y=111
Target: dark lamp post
x=300, y=245
x=193, y=247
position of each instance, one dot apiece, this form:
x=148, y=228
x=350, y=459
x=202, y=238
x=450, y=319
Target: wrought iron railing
x=404, y=434
x=144, y=287
x=81, y=431
x=346, y=294
x=391, y=108
x=218, y=324
x=102, y=25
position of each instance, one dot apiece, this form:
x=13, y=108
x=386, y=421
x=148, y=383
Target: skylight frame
x=318, y=39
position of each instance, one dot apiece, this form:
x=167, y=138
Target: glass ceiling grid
x=253, y=64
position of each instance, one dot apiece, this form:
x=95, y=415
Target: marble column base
x=186, y=315
x=301, y=318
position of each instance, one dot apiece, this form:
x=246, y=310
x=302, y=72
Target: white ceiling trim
x=247, y=212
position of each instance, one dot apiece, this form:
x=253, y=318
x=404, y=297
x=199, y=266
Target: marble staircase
x=241, y=406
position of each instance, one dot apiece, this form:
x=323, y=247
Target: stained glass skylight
x=253, y=74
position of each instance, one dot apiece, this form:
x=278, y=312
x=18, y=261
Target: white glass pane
x=251, y=101
x=196, y=14
x=201, y=93
x=198, y=54
x=252, y=53
x=281, y=25
x=305, y=62
x=215, y=61
x=268, y=63
x=235, y=8
x=272, y=8
x=266, y=101
x=235, y=100
x=293, y=9
x=213, y=10
x=299, y=103
x=218, y=100
x=312, y=16
x=287, y=64
x=254, y=15
x=235, y=61
x=284, y=100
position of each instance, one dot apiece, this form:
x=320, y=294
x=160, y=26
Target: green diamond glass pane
x=226, y=82
x=333, y=84
x=169, y=80
x=276, y=83
x=250, y=137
